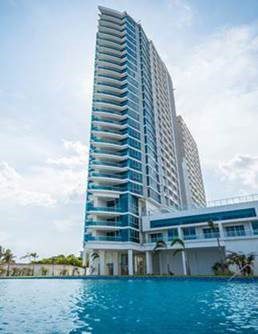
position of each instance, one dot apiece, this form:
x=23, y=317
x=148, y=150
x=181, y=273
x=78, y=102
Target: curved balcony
x=111, y=31
x=102, y=225
x=107, y=178
x=104, y=211
x=108, y=166
x=109, y=155
x=107, y=24
x=109, y=115
x=107, y=36
x=113, y=134
x=110, y=64
x=109, y=124
x=104, y=238
x=111, y=73
x=115, y=145
x=106, y=191
x=109, y=96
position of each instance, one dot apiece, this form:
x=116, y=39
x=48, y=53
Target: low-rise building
x=235, y=229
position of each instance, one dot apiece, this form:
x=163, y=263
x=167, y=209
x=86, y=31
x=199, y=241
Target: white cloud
x=242, y=169
x=78, y=157
x=59, y=180
x=13, y=189
x=217, y=91
x=184, y=13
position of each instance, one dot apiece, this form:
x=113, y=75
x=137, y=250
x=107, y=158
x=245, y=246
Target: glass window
x=255, y=227
x=211, y=233
x=235, y=231
x=189, y=233
x=156, y=237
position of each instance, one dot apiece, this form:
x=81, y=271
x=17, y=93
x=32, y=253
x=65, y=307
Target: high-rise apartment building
x=191, y=181
x=133, y=162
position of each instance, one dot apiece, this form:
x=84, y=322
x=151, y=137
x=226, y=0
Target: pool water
x=128, y=306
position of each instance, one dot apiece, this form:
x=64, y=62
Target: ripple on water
x=128, y=306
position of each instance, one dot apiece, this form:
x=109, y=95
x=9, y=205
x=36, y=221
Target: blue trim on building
x=201, y=218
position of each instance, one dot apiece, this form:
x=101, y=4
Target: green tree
x=32, y=257
x=8, y=258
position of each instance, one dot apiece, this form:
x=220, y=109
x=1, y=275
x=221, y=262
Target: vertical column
x=184, y=263
x=221, y=232
x=181, y=236
x=115, y=263
x=102, y=262
x=130, y=261
x=149, y=268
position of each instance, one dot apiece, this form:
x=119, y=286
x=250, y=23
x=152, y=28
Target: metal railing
x=207, y=236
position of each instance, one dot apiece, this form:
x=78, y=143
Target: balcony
x=102, y=114
x=108, y=166
x=109, y=124
x=102, y=225
x=104, y=238
x=113, y=134
x=107, y=178
x=108, y=144
x=110, y=155
x=206, y=237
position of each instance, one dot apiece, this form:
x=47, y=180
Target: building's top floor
x=224, y=213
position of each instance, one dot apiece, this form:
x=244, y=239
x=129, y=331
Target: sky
x=46, y=78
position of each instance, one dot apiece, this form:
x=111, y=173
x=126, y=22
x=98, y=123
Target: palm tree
x=1, y=253
x=93, y=257
x=159, y=244
x=32, y=257
x=181, y=243
x=8, y=258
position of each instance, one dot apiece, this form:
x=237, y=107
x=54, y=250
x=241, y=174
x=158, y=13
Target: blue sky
x=46, y=66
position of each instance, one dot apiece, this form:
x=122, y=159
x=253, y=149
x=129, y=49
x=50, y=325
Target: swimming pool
x=128, y=306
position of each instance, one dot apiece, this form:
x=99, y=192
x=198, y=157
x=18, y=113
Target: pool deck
x=249, y=279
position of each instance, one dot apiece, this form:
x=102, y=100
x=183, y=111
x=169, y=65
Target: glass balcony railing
x=102, y=223
x=115, y=142
x=96, y=119
x=104, y=208
x=119, y=154
x=114, y=188
x=104, y=238
x=118, y=132
x=104, y=163
x=112, y=176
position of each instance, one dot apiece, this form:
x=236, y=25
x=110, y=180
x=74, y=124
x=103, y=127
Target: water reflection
x=110, y=306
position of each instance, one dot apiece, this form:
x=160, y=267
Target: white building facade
x=192, y=187
x=133, y=158
x=235, y=228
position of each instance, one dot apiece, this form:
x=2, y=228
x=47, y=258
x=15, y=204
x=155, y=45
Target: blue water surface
x=128, y=306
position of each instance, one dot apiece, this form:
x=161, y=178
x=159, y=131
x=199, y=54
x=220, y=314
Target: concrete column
x=149, y=268
x=115, y=263
x=184, y=263
x=102, y=262
x=221, y=232
x=130, y=262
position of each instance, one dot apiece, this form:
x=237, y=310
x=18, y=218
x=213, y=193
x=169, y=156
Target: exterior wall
x=192, y=187
x=165, y=121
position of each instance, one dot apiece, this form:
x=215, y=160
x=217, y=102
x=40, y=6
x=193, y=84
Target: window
x=211, y=233
x=189, y=233
x=235, y=231
x=172, y=233
x=156, y=237
x=255, y=227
